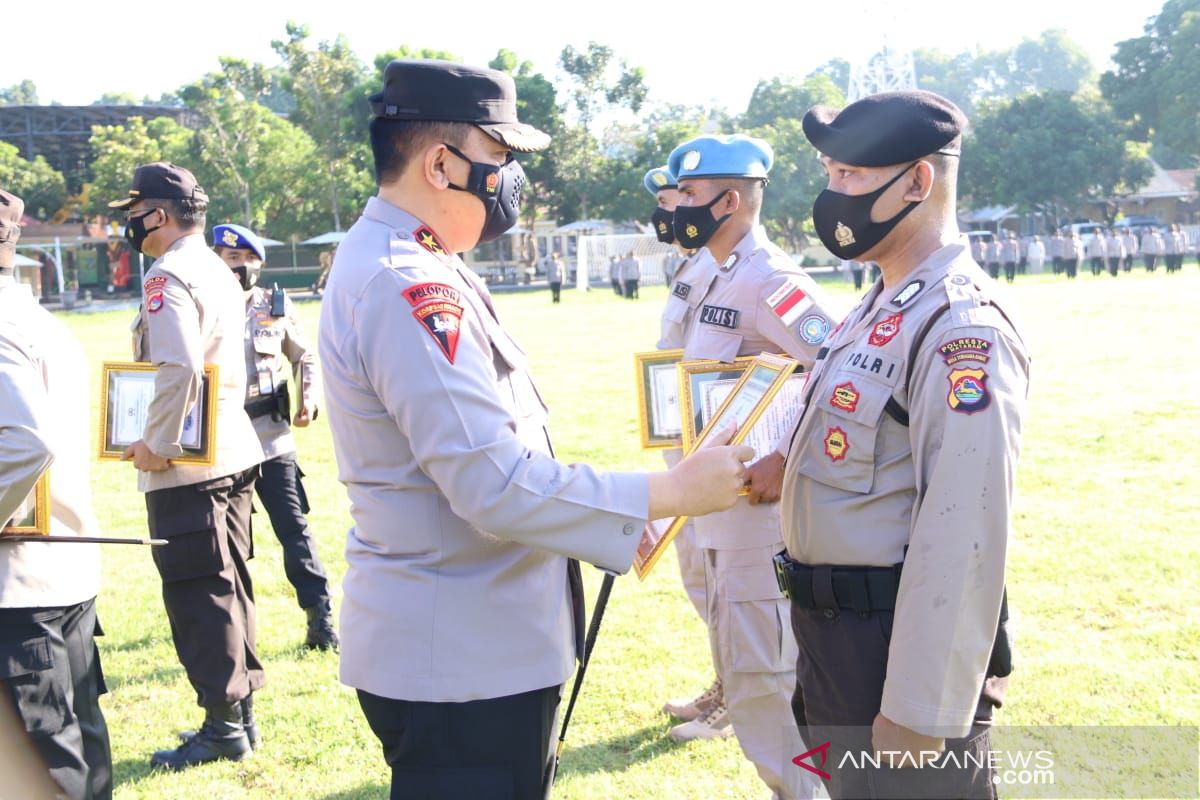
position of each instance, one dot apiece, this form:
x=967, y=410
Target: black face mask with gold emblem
x=695, y=225
x=843, y=221
x=661, y=220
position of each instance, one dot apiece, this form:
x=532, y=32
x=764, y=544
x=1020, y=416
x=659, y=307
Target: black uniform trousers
x=282, y=494
x=840, y=671
x=494, y=749
x=50, y=671
x=555, y=290
x=206, y=583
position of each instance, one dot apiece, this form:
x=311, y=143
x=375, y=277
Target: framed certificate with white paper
x=33, y=515
x=126, y=391
x=658, y=398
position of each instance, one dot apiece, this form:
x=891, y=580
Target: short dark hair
x=394, y=142
x=750, y=189
x=188, y=214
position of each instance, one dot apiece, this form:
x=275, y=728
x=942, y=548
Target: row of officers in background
x=1065, y=251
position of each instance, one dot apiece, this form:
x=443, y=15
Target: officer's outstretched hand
x=706, y=481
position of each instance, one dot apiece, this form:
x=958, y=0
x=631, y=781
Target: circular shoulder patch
x=814, y=329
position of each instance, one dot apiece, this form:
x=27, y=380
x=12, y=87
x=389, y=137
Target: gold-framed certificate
x=703, y=386
x=32, y=517
x=762, y=380
x=658, y=398
x=126, y=390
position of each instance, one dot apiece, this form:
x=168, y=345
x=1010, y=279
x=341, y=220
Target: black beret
x=443, y=91
x=886, y=128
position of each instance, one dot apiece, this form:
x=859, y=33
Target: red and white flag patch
x=789, y=302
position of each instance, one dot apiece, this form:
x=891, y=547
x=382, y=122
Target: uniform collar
x=928, y=273
x=755, y=239
x=408, y=226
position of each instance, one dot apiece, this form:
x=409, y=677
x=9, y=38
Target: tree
x=1155, y=82
x=40, y=185
x=116, y=99
x=1015, y=155
x=255, y=166
x=599, y=85
x=19, y=94
x=774, y=113
x=118, y=150
x=320, y=80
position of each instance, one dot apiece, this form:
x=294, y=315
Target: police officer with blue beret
x=273, y=334
x=752, y=298
x=675, y=315
x=462, y=608
x=898, y=489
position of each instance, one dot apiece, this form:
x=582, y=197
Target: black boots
x=321, y=635
x=248, y=723
x=222, y=736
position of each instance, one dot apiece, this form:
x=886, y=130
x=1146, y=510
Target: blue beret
x=886, y=128
x=239, y=238
x=735, y=156
x=658, y=179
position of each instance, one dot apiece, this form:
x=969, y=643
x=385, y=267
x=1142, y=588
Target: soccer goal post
x=596, y=255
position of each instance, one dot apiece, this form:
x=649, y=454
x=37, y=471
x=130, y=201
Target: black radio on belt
x=278, y=404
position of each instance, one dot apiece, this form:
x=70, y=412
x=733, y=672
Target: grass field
x=1102, y=577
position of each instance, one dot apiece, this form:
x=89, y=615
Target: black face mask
x=136, y=230
x=661, y=221
x=843, y=221
x=500, y=190
x=695, y=225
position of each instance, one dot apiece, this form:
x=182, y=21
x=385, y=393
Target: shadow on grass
x=131, y=769
x=618, y=752
x=165, y=673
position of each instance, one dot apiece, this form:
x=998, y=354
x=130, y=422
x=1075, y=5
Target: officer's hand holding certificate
x=708, y=480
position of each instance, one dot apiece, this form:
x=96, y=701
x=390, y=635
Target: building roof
x=1166, y=183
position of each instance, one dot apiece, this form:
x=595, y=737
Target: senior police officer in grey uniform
x=677, y=312
x=898, y=490
x=49, y=664
x=191, y=315
x=753, y=299
x=274, y=339
x=462, y=612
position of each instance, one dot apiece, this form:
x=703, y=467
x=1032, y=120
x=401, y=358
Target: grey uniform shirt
x=687, y=290
x=456, y=584
x=272, y=343
x=44, y=421
x=757, y=301
x=193, y=314
x=860, y=488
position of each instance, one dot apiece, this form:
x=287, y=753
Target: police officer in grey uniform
x=677, y=312
x=462, y=608
x=898, y=490
x=755, y=299
x=49, y=664
x=192, y=314
x=274, y=339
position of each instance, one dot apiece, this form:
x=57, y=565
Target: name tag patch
x=681, y=290
x=721, y=317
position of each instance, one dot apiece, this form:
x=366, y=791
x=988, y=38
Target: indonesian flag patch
x=441, y=319
x=789, y=302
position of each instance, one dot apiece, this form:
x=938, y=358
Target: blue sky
x=693, y=52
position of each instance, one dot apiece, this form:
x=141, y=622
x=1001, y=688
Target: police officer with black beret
x=898, y=489
x=462, y=608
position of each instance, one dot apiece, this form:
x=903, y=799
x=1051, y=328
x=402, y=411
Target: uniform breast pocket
x=840, y=448
x=675, y=311
x=714, y=344
x=513, y=368
x=267, y=344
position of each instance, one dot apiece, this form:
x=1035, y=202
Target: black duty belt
x=830, y=588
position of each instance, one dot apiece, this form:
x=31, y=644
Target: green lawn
x=1102, y=576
